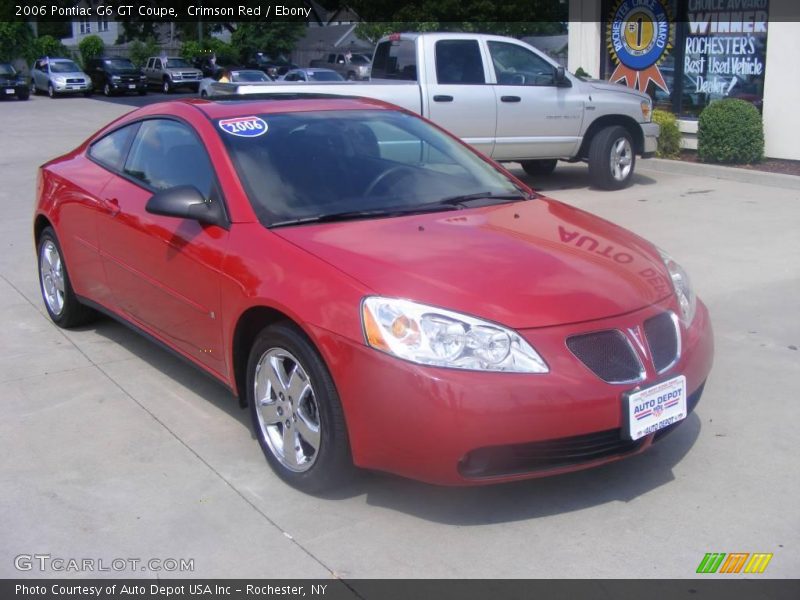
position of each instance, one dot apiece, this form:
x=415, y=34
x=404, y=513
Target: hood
x=70, y=75
x=527, y=264
x=617, y=88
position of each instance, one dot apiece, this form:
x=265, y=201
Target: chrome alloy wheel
x=51, y=271
x=621, y=159
x=287, y=410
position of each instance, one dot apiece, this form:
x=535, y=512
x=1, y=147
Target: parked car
x=234, y=76
x=13, y=83
x=170, y=73
x=116, y=76
x=350, y=66
x=59, y=76
x=310, y=74
x=274, y=67
x=377, y=292
x=511, y=102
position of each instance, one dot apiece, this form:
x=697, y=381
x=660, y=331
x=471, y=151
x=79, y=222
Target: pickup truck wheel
x=166, y=86
x=295, y=409
x=612, y=158
x=539, y=167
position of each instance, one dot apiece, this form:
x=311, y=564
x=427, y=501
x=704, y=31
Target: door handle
x=510, y=99
x=440, y=98
x=111, y=205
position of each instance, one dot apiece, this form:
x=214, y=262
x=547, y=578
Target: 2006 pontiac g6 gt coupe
x=378, y=293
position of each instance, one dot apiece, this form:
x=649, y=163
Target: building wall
x=584, y=37
x=782, y=90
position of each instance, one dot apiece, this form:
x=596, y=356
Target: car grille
x=74, y=80
x=608, y=354
x=187, y=75
x=563, y=452
x=663, y=339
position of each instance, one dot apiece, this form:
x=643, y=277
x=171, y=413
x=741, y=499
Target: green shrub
x=581, y=73
x=49, y=46
x=91, y=46
x=669, y=140
x=730, y=131
x=141, y=51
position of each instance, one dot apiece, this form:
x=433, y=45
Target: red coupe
x=378, y=293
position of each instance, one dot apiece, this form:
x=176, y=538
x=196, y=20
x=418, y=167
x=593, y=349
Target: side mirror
x=185, y=202
x=561, y=77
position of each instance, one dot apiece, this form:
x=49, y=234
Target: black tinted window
x=166, y=154
x=110, y=150
x=395, y=60
x=459, y=61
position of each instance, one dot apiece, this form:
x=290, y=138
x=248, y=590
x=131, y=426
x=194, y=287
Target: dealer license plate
x=9, y=90
x=649, y=410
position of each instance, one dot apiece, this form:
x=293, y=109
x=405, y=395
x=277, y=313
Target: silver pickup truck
x=170, y=73
x=508, y=100
x=353, y=67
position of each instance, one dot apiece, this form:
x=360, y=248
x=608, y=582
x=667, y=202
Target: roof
x=282, y=103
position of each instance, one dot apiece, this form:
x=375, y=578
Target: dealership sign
x=638, y=37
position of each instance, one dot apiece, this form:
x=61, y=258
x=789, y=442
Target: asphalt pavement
x=112, y=448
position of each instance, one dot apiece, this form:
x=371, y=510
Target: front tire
x=24, y=94
x=612, y=158
x=107, y=91
x=166, y=86
x=62, y=305
x=539, y=167
x=51, y=91
x=295, y=409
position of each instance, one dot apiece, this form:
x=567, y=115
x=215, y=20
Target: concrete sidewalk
x=112, y=448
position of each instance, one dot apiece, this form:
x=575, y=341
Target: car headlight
x=682, y=286
x=647, y=110
x=60, y=79
x=434, y=336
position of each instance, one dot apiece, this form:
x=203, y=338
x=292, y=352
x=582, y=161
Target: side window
x=459, y=61
x=149, y=63
x=395, y=59
x=165, y=154
x=331, y=58
x=110, y=150
x=157, y=64
x=515, y=65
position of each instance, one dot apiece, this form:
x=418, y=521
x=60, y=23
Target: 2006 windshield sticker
x=244, y=126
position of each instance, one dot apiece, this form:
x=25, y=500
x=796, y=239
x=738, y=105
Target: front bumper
x=125, y=86
x=651, y=132
x=69, y=88
x=425, y=422
x=13, y=89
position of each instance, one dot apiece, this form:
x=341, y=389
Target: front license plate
x=9, y=91
x=647, y=411
x=132, y=86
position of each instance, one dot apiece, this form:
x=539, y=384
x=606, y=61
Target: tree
x=16, y=41
x=272, y=38
x=47, y=45
x=91, y=46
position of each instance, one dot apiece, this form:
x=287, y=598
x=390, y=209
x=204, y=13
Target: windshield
x=325, y=76
x=310, y=164
x=7, y=70
x=250, y=76
x=118, y=64
x=64, y=66
x=173, y=63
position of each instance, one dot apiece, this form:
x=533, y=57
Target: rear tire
x=60, y=301
x=612, y=159
x=539, y=167
x=293, y=400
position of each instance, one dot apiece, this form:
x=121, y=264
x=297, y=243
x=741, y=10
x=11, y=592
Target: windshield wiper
x=464, y=200
x=363, y=214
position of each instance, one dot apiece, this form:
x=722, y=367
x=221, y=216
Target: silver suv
x=59, y=76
